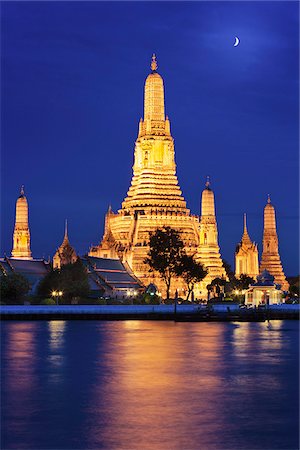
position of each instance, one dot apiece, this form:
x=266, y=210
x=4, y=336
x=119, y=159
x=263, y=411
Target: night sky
x=72, y=95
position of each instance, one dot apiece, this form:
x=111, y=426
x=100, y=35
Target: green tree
x=71, y=279
x=191, y=271
x=166, y=250
x=14, y=286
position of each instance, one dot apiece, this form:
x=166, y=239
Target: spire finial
x=245, y=223
x=66, y=229
x=269, y=199
x=207, y=184
x=22, y=189
x=153, y=63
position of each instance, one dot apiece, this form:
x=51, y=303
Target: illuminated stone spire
x=209, y=250
x=21, y=238
x=246, y=255
x=246, y=238
x=154, y=199
x=270, y=259
x=154, y=183
x=65, y=254
x=66, y=238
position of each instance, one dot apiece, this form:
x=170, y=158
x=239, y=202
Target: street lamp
x=56, y=295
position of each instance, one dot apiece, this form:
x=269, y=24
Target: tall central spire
x=154, y=102
x=154, y=183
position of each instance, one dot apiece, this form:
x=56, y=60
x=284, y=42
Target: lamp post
x=56, y=295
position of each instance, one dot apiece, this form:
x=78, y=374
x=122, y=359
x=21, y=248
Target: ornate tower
x=154, y=183
x=246, y=256
x=21, y=239
x=65, y=254
x=208, y=251
x=270, y=259
x=154, y=198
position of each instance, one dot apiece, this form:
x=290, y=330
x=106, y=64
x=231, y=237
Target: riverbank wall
x=178, y=313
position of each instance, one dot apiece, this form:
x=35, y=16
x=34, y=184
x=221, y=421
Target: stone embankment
x=179, y=313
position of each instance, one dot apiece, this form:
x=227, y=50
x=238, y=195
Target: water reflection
x=56, y=357
x=149, y=385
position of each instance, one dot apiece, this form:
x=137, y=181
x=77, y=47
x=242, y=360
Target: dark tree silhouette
x=191, y=271
x=14, y=286
x=166, y=250
x=71, y=279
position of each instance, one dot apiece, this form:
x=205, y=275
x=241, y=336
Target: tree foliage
x=166, y=250
x=71, y=279
x=191, y=271
x=228, y=270
x=243, y=282
x=14, y=286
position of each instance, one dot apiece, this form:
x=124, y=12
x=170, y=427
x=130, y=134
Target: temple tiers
x=21, y=237
x=208, y=252
x=246, y=256
x=270, y=259
x=65, y=254
x=154, y=198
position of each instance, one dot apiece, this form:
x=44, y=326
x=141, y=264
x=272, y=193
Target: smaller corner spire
x=22, y=190
x=207, y=184
x=154, y=63
x=269, y=199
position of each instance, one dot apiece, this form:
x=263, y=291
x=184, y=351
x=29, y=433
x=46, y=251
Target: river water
x=139, y=385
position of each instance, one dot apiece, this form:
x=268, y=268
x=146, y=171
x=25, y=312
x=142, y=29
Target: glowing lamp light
x=53, y=293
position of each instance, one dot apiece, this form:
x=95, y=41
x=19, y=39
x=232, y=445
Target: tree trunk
x=168, y=284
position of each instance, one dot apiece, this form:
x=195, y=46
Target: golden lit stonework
x=21, y=238
x=246, y=256
x=209, y=251
x=270, y=259
x=154, y=198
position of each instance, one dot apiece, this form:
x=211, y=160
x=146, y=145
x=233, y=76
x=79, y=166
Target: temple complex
x=208, y=252
x=21, y=237
x=270, y=259
x=65, y=254
x=154, y=198
x=246, y=256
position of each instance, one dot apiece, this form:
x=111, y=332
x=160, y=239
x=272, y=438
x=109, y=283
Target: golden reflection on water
x=149, y=388
x=21, y=346
x=142, y=385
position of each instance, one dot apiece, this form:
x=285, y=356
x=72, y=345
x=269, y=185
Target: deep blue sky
x=72, y=94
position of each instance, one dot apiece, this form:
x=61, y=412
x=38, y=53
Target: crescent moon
x=237, y=41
